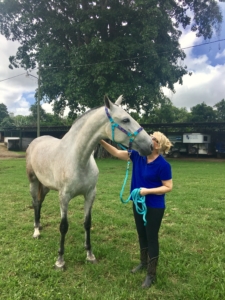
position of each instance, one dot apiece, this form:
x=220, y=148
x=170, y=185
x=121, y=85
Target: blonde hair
x=164, y=143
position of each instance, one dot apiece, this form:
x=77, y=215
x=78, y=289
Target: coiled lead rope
x=138, y=200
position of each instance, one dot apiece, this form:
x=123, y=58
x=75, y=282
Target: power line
x=138, y=57
x=115, y=61
x=203, y=44
x=13, y=77
x=19, y=75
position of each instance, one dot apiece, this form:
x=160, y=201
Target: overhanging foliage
x=86, y=49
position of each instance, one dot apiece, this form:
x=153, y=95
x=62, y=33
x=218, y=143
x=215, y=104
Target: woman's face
x=154, y=137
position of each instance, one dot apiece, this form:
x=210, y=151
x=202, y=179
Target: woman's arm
x=166, y=187
x=121, y=154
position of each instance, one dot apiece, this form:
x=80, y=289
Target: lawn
x=192, y=256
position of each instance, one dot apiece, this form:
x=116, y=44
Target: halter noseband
x=115, y=125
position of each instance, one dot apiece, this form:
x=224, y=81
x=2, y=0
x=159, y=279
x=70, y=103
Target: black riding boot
x=151, y=272
x=143, y=259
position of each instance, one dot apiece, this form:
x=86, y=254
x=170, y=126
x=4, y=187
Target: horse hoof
x=60, y=268
x=92, y=261
x=36, y=237
x=36, y=234
x=60, y=264
x=90, y=257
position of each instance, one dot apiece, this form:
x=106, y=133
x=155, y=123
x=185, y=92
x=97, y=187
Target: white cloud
x=48, y=108
x=222, y=54
x=201, y=87
x=12, y=90
x=206, y=84
x=17, y=93
x=207, y=81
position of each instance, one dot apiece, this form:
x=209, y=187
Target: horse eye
x=126, y=120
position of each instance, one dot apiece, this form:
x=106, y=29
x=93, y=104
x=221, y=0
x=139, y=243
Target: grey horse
x=67, y=165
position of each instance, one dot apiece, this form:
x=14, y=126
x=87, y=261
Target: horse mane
x=84, y=114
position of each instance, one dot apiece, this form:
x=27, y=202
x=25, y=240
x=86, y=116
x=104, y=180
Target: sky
x=206, y=84
x=207, y=65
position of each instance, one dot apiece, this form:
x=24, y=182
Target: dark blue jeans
x=149, y=235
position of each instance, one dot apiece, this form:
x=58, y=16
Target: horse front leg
x=87, y=226
x=63, y=228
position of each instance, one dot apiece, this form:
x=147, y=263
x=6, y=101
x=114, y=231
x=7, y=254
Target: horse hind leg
x=38, y=193
x=89, y=199
x=64, y=226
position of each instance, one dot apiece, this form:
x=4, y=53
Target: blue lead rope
x=138, y=200
x=135, y=194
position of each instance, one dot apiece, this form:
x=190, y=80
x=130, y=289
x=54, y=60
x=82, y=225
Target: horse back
x=57, y=166
x=39, y=152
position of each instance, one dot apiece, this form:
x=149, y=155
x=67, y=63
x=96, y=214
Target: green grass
x=21, y=152
x=192, y=257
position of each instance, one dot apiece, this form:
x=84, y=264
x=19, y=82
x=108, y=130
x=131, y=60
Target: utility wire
x=203, y=44
x=13, y=77
x=137, y=57
x=115, y=61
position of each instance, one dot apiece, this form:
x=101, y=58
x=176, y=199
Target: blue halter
x=138, y=200
x=115, y=125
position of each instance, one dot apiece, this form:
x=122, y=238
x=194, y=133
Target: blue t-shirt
x=150, y=175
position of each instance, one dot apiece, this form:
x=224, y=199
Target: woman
x=153, y=175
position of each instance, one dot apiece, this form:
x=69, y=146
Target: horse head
x=123, y=129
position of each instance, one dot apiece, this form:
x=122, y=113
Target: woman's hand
x=166, y=187
x=144, y=191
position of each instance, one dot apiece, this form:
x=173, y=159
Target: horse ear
x=108, y=103
x=119, y=100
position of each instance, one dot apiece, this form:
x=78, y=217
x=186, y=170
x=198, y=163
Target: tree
x=181, y=114
x=7, y=122
x=3, y=112
x=202, y=113
x=166, y=112
x=86, y=49
x=46, y=119
x=55, y=120
x=220, y=109
x=33, y=115
x=20, y=120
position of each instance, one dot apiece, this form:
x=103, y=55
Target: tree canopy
x=202, y=113
x=164, y=112
x=85, y=49
x=3, y=112
x=220, y=107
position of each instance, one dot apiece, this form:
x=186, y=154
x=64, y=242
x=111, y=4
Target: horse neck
x=85, y=133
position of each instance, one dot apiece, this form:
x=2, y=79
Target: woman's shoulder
x=163, y=160
x=135, y=155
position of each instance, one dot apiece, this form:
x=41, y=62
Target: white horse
x=68, y=166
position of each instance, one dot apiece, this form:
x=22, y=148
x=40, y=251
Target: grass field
x=192, y=256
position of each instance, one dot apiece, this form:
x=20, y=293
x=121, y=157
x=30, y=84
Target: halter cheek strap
x=115, y=125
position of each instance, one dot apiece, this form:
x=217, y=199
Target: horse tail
x=40, y=191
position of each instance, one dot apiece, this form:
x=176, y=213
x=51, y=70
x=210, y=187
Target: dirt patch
x=5, y=153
